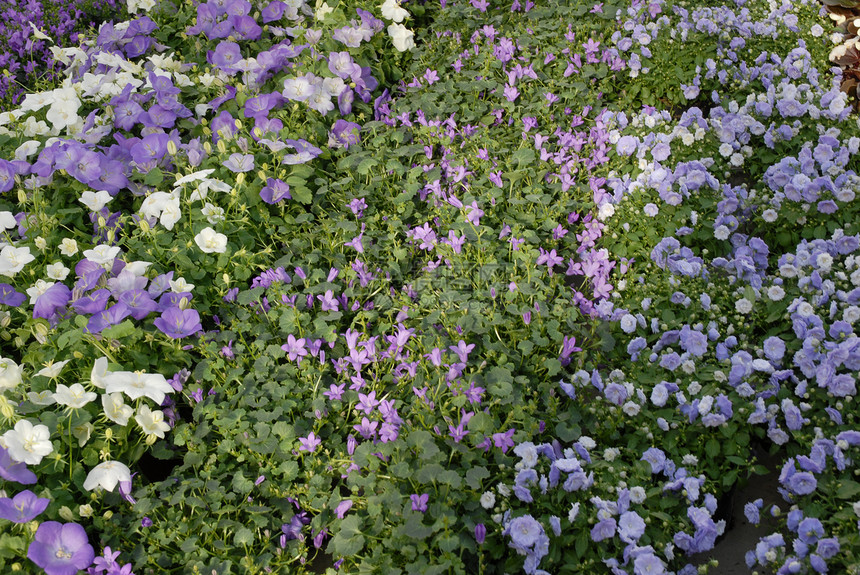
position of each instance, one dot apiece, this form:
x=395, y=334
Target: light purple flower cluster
x=619, y=519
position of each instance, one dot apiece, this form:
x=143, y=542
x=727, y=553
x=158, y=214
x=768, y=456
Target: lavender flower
x=22, y=508
x=61, y=549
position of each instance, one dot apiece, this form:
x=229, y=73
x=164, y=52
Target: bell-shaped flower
x=137, y=384
x=107, y=475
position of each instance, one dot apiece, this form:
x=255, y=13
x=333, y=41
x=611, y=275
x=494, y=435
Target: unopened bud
x=222, y=147
x=67, y=513
x=7, y=410
x=240, y=178
x=22, y=197
x=171, y=147
x=40, y=331
x=85, y=510
x=207, y=147
x=238, y=124
x=108, y=514
x=144, y=226
x=183, y=303
x=226, y=279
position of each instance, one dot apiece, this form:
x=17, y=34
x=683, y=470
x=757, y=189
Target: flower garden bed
x=440, y=287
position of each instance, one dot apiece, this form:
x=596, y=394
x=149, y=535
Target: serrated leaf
x=475, y=475
x=523, y=157
x=365, y=166
x=348, y=540
x=246, y=297
x=243, y=536
x=189, y=545
x=415, y=528
x=429, y=473
x=423, y=440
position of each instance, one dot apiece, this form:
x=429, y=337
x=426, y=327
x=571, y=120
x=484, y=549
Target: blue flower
x=603, y=530
x=802, y=483
x=630, y=527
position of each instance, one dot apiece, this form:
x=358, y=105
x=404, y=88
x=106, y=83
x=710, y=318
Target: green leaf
x=423, y=440
x=848, y=490
x=302, y=194
x=365, y=166
x=500, y=382
x=475, y=475
x=524, y=157
x=348, y=540
x=153, y=177
x=582, y=543
x=429, y=473
x=243, y=536
x=480, y=423
x=240, y=484
x=189, y=545
x=712, y=448
x=120, y=330
x=568, y=433
x=414, y=527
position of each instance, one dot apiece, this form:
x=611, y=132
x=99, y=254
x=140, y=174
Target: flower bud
x=222, y=147
x=85, y=510
x=171, y=147
x=40, y=332
x=67, y=513
x=240, y=178
x=7, y=410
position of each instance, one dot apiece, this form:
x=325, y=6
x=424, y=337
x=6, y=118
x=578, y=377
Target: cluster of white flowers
x=401, y=36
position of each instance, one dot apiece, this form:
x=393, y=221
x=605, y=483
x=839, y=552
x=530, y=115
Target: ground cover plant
x=31, y=33
x=433, y=287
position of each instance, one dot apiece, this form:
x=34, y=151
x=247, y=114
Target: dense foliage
x=437, y=287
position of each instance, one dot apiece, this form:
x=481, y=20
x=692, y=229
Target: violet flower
x=177, y=323
x=275, y=191
x=22, y=508
x=61, y=548
x=419, y=502
x=10, y=297
x=10, y=470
